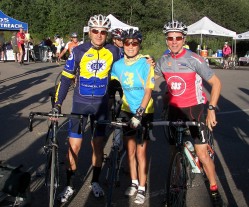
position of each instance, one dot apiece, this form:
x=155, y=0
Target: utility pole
x=172, y=10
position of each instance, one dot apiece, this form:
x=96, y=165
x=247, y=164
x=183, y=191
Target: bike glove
x=56, y=109
x=136, y=119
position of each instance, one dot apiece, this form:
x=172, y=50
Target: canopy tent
x=115, y=23
x=242, y=36
x=205, y=26
x=8, y=23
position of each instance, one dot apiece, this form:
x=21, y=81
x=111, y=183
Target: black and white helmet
x=132, y=34
x=74, y=34
x=99, y=21
x=175, y=26
x=117, y=33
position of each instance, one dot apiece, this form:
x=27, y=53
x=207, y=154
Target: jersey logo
x=96, y=66
x=169, y=63
x=129, y=79
x=89, y=55
x=176, y=85
x=70, y=57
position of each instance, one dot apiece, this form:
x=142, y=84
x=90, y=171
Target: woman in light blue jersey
x=136, y=77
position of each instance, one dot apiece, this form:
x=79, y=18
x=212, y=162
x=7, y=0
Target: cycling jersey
x=134, y=79
x=70, y=45
x=93, y=67
x=183, y=74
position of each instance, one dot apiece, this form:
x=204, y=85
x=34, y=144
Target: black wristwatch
x=211, y=107
x=140, y=111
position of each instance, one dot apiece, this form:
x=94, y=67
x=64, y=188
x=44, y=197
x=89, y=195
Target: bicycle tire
x=112, y=175
x=177, y=181
x=52, y=174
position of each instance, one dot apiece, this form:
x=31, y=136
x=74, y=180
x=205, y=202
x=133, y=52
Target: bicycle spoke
x=177, y=182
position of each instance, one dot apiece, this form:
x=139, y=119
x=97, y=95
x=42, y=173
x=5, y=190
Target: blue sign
x=8, y=23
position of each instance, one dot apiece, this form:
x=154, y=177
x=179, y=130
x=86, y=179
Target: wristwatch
x=211, y=107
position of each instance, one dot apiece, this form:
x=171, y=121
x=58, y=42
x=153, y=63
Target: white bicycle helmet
x=99, y=21
x=74, y=34
x=175, y=26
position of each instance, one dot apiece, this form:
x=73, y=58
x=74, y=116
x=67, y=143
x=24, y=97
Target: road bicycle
x=184, y=164
x=51, y=148
x=116, y=156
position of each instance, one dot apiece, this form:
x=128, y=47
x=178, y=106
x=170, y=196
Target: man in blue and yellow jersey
x=91, y=62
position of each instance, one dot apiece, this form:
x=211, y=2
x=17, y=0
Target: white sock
x=141, y=188
x=135, y=182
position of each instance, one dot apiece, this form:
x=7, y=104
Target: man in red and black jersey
x=183, y=72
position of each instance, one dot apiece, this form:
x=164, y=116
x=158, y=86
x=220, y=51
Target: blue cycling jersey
x=91, y=68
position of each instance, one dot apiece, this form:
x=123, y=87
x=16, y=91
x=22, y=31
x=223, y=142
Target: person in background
x=48, y=42
x=117, y=40
x=136, y=77
x=184, y=72
x=114, y=84
x=57, y=43
x=2, y=49
x=20, y=42
x=27, y=36
x=14, y=46
x=226, y=54
x=70, y=45
x=91, y=63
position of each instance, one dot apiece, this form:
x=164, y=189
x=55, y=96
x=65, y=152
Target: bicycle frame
x=179, y=173
x=115, y=158
x=51, y=149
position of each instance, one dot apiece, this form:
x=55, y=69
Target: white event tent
x=115, y=23
x=205, y=26
x=243, y=36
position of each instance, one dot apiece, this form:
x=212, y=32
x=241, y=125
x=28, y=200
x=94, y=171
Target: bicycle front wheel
x=177, y=181
x=52, y=174
x=111, y=179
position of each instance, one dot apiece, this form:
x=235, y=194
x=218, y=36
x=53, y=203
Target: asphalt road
x=25, y=88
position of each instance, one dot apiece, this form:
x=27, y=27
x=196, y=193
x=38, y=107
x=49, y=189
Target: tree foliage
x=50, y=17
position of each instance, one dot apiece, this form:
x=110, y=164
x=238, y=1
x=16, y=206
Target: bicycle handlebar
x=52, y=115
x=176, y=123
x=111, y=123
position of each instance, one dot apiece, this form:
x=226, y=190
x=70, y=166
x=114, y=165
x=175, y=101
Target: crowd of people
x=94, y=63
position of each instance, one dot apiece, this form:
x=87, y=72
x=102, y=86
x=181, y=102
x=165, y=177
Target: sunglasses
x=96, y=31
x=178, y=38
x=134, y=44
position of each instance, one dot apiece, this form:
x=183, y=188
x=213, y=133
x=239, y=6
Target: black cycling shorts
x=128, y=131
x=94, y=111
x=192, y=113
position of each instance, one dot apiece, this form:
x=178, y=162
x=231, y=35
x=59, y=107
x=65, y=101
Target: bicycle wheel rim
x=177, y=182
x=111, y=176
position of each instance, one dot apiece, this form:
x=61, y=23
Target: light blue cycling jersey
x=134, y=79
